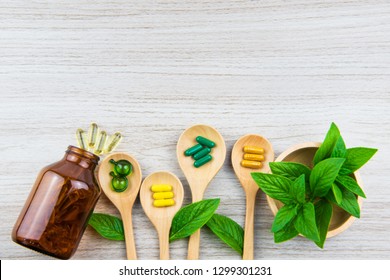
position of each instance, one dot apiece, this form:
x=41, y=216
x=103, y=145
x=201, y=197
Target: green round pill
x=202, y=161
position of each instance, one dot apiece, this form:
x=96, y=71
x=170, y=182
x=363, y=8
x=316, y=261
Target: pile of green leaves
x=308, y=194
x=186, y=221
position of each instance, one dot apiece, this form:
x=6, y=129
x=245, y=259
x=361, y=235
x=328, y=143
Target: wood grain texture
x=150, y=69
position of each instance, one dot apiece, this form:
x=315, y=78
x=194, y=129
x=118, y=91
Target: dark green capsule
x=202, y=161
x=204, y=152
x=205, y=142
x=193, y=150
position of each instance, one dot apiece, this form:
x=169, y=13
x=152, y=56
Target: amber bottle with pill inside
x=61, y=201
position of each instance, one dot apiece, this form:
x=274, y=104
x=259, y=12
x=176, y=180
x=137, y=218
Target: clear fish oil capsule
x=81, y=137
x=92, y=135
x=101, y=143
x=113, y=142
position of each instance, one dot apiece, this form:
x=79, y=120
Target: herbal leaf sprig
x=309, y=193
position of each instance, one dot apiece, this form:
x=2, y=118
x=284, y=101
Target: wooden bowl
x=304, y=153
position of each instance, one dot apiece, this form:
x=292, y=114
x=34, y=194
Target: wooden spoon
x=247, y=182
x=199, y=178
x=123, y=201
x=161, y=217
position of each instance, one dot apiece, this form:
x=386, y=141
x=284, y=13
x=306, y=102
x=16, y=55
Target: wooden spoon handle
x=129, y=235
x=193, y=246
x=249, y=226
x=163, y=237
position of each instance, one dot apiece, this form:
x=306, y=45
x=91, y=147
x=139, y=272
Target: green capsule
x=122, y=167
x=202, y=161
x=204, y=152
x=119, y=183
x=205, y=142
x=193, y=150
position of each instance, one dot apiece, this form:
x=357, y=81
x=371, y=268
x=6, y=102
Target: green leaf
x=323, y=211
x=228, y=231
x=298, y=189
x=286, y=233
x=349, y=202
x=107, y=226
x=339, y=150
x=350, y=184
x=192, y=217
x=326, y=148
x=305, y=222
x=290, y=170
x=275, y=186
x=338, y=195
x=284, y=216
x=356, y=158
x=323, y=175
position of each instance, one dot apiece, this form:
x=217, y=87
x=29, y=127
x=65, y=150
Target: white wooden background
x=150, y=69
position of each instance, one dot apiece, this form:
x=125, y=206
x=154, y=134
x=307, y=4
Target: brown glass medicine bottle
x=61, y=201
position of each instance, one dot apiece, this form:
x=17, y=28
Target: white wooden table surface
x=150, y=69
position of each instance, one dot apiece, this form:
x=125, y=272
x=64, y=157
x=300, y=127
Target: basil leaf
x=191, y=218
x=305, y=222
x=323, y=175
x=326, y=148
x=338, y=195
x=290, y=170
x=339, y=150
x=298, y=189
x=286, y=233
x=228, y=231
x=284, y=216
x=349, y=202
x=350, y=184
x=357, y=157
x=107, y=226
x=275, y=186
x=323, y=211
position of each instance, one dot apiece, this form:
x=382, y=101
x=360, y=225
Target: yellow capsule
x=254, y=157
x=81, y=137
x=92, y=134
x=163, y=202
x=251, y=164
x=113, y=142
x=162, y=195
x=253, y=150
x=101, y=142
x=161, y=188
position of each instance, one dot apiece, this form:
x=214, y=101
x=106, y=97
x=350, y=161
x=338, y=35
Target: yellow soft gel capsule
x=162, y=195
x=255, y=157
x=161, y=188
x=251, y=164
x=163, y=202
x=253, y=150
x=81, y=137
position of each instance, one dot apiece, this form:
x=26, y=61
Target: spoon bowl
x=199, y=178
x=161, y=217
x=250, y=187
x=123, y=201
